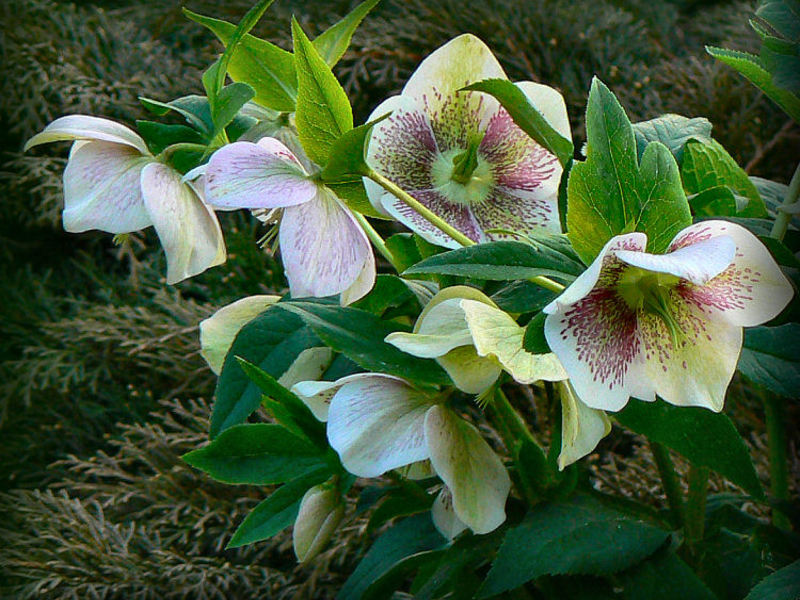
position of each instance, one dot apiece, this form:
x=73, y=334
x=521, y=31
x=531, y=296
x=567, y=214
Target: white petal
x=582, y=427
x=363, y=284
x=469, y=467
x=309, y=365
x=444, y=515
x=697, y=262
x=102, y=188
x=469, y=372
x=324, y=249
x=550, y=103
x=219, y=330
x=751, y=291
x=495, y=334
x=188, y=229
x=261, y=175
x=84, y=127
x=439, y=329
x=318, y=394
x=375, y=424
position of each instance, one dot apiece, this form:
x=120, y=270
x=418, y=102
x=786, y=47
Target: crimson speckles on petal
x=641, y=325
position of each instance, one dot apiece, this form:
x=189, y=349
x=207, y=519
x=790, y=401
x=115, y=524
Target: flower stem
x=547, y=283
x=782, y=219
x=376, y=240
x=669, y=479
x=775, y=414
x=510, y=418
x=695, y=513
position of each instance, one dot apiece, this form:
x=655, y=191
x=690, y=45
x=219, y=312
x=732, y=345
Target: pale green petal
x=495, y=334
x=418, y=470
x=469, y=467
x=581, y=427
x=321, y=511
x=219, y=330
x=470, y=373
x=444, y=515
x=309, y=365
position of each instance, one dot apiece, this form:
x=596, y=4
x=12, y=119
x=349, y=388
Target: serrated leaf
x=612, y=193
x=705, y=438
x=334, y=41
x=750, y=67
x=664, y=577
x=581, y=536
x=195, y=109
x=771, y=357
x=671, y=130
x=359, y=335
x=707, y=165
x=323, y=111
x=277, y=512
x=526, y=116
x=256, y=454
x=503, y=261
x=781, y=585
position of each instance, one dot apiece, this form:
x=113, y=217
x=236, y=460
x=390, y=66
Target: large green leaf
x=256, y=454
x=613, y=193
x=526, y=116
x=522, y=297
x=272, y=341
x=780, y=53
x=783, y=584
x=505, y=261
x=334, y=41
x=663, y=577
x=323, y=111
x=771, y=357
x=671, y=130
x=581, y=536
x=707, y=165
x=359, y=335
x=706, y=438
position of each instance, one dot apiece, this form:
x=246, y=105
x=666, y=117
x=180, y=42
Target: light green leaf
x=323, y=111
x=334, y=41
x=781, y=585
x=771, y=357
x=671, y=130
x=717, y=201
x=348, y=161
x=256, y=454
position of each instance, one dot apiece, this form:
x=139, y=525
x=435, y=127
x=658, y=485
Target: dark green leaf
x=534, y=340
x=347, y=161
x=323, y=111
x=664, y=577
x=781, y=254
x=522, y=297
x=717, y=201
x=771, y=357
x=230, y=100
x=334, y=41
x=781, y=585
x=404, y=250
x=276, y=512
x=581, y=536
x=389, y=291
x=398, y=504
x=671, y=130
x=160, y=135
x=526, y=116
x=256, y=454
x=194, y=109
x=706, y=438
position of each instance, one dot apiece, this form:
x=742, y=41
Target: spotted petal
x=219, y=330
x=470, y=469
x=187, y=227
x=261, y=175
x=581, y=427
x=84, y=127
x=376, y=424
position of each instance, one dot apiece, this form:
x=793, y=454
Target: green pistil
x=465, y=163
x=650, y=292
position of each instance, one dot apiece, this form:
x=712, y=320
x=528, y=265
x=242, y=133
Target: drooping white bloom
x=325, y=251
x=461, y=155
x=473, y=340
x=581, y=427
x=638, y=324
x=377, y=423
x=113, y=183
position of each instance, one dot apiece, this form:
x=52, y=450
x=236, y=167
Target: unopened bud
x=321, y=511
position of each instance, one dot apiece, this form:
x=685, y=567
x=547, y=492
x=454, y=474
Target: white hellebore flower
x=113, y=183
x=325, y=251
x=641, y=325
x=473, y=340
x=461, y=155
x=377, y=423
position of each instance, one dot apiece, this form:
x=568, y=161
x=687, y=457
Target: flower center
x=462, y=175
x=650, y=292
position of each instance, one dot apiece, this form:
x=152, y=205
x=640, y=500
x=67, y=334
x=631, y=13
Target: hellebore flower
x=581, y=427
x=321, y=511
x=377, y=423
x=461, y=155
x=325, y=251
x=474, y=341
x=639, y=324
x=113, y=183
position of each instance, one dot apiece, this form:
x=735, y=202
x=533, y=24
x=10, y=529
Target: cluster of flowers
x=634, y=324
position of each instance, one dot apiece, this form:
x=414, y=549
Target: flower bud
x=321, y=511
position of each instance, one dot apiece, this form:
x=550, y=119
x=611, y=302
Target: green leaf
x=334, y=41
x=230, y=100
x=526, y=116
x=193, y=108
x=611, y=193
x=277, y=512
x=522, y=297
x=671, y=130
x=534, y=340
x=256, y=454
x=359, y=335
x=705, y=438
x=388, y=292
x=272, y=341
x=409, y=536
x=780, y=53
x=580, y=536
x=771, y=357
x=707, y=165
x=503, y=261
x=404, y=250
x=663, y=577
x=160, y=135
x=348, y=155
x=267, y=68
x=323, y=111
x=717, y=201
x=781, y=585
x=750, y=67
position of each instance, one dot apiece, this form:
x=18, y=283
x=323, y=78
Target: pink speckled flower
x=461, y=155
x=639, y=324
